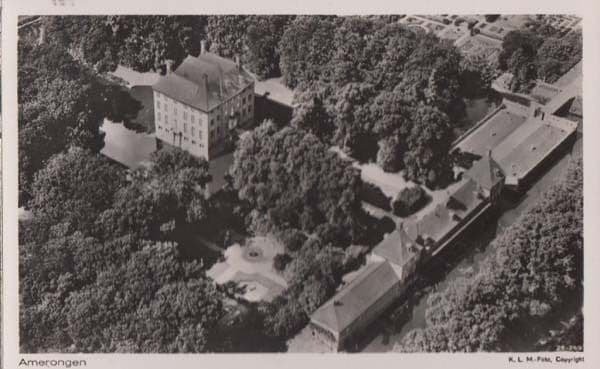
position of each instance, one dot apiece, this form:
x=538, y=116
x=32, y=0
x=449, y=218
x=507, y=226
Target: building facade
x=197, y=105
x=393, y=263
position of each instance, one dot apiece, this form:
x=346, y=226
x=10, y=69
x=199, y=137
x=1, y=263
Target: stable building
x=197, y=105
x=383, y=280
x=391, y=267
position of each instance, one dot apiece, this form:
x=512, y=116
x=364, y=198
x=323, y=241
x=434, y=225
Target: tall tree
x=140, y=42
x=535, y=269
x=160, y=201
x=75, y=187
x=296, y=182
x=306, y=49
x=227, y=34
x=60, y=105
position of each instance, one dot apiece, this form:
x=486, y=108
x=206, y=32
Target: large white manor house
x=196, y=105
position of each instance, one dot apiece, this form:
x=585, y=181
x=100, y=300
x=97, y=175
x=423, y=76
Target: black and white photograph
x=300, y=183
x=217, y=185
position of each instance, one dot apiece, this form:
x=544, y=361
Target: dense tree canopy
x=60, y=104
x=262, y=38
x=100, y=271
x=253, y=38
x=162, y=200
x=306, y=48
x=372, y=85
x=539, y=52
x=291, y=180
x=143, y=43
x=74, y=187
x=226, y=34
x=313, y=275
x=535, y=268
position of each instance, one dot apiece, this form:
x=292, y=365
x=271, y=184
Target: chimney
x=205, y=78
x=202, y=47
x=169, y=66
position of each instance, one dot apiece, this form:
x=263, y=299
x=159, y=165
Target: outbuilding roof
x=486, y=172
x=357, y=297
x=398, y=248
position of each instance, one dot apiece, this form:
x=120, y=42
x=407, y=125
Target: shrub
x=446, y=21
x=409, y=200
x=374, y=196
x=464, y=159
x=280, y=261
x=388, y=157
x=292, y=239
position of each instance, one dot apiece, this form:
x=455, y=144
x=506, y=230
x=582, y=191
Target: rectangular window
x=193, y=118
x=185, y=127
x=185, y=115
x=158, y=117
x=200, y=134
x=157, y=105
x=193, y=131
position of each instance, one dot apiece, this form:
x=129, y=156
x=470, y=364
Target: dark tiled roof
x=188, y=83
x=444, y=217
x=435, y=224
x=354, y=299
x=465, y=198
x=396, y=248
x=486, y=172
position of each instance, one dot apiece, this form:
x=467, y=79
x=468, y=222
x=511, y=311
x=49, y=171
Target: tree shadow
x=133, y=107
x=266, y=108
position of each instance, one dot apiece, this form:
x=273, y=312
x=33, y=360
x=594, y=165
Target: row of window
x=218, y=130
x=185, y=138
x=244, y=112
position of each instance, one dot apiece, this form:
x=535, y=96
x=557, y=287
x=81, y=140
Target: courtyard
x=250, y=265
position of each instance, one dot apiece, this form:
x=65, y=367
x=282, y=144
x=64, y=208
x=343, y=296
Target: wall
x=373, y=312
x=187, y=123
